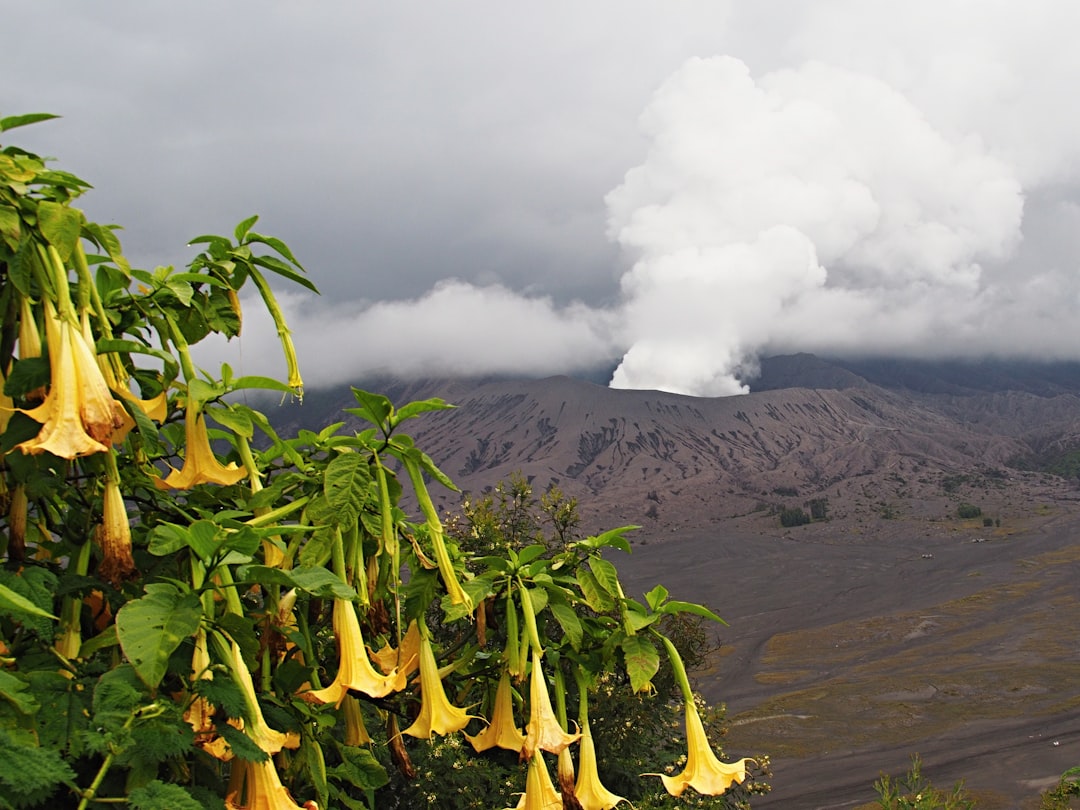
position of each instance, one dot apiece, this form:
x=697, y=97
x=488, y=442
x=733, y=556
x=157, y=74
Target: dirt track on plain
x=846, y=653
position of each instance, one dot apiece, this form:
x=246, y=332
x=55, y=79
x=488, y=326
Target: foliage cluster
x=968, y=511
x=198, y=612
x=915, y=792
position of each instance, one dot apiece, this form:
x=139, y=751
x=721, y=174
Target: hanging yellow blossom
x=257, y=786
x=437, y=714
x=200, y=464
x=200, y=713
x=268, y=739
x=589, y=790
x=114, y=537
x=407, y=659
x=354, y=667
x=79, y=415
x=502, y=731
x=703, y=772
x=356, y=732
x=544, y=730
x=540, y=793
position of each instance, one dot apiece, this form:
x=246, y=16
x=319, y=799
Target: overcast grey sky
x=672, y=188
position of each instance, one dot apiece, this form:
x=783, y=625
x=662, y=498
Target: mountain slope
x=659, y=459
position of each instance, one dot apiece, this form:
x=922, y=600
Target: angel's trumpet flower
x=544, y=730
x=261, y=734
x=406, y=658
x=356, y=732
x=564, y=775
x=257, y=786
x=502, y=731
x=589, y=790
x=703, y=772
x=200, y=464
x=354, y=668
x=437, y=714
x=114, y=537
x=200, y=714
x=7, y=406
x=79, y=415
x=29, y=341
x=540, y=793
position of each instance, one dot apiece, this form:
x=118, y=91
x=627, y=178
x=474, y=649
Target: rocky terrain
x=891, y=627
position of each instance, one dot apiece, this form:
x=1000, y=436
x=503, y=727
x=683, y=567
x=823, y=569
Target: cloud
x=454, y=329
x=813, y=209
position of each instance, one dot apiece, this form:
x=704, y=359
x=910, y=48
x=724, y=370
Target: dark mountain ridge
x=809, y=426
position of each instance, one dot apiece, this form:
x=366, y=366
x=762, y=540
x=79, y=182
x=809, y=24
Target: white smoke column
x=814, y=209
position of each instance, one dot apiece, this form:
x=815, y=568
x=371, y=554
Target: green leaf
x=346, y=485
x=107, y=240
x=642, y=661
x=612, y=538
x=240, y=630
x=158, y=795
x=15, y=692
x=262, y=383
x=224, y=694
x=607, y=576
x=568, y=621
x=414, y=409
x=152, y=627
x=61, y=225
x=10, y=226
x=282, y=269
x=236, y=421
x=275, y=243
x=595, y=596
x=27, y=375
x=530, y=553
x=676, y=606
x=314, y=580
x=656, y=597
x=167, y=538
x=241, y=744
x=360, y=769
x=11, y=601
x=12, y=121
x=243, y=228
x=29, y=775
x=202, y=537
x=375, y=408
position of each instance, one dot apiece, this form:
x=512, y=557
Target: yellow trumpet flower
x=79, y=414
x=268, y=739
x=502, y=731
x=544, y=730
x=540, y=793
x=564, y=775
x=257, y=786
x=29, y=341
x=354, y=668
x=356, y=732
x=200, y=714
x=200, y=464
x=7, y=407
x=703, y=772
x=589, y=790
x=114, y=537
x=437, y=714
x=406, y=659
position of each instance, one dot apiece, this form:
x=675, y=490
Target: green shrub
x=913, y=792
x=966, y=511
x=793, y=516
